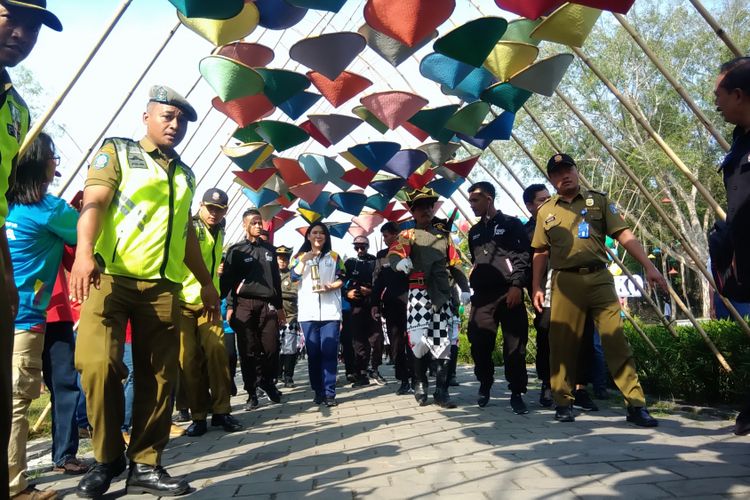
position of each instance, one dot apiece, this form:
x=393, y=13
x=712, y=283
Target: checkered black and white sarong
x=429, y=328
x=288, y=339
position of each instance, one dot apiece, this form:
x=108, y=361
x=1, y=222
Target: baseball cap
x=216, y=197
x=38, y=7
x=560, y=160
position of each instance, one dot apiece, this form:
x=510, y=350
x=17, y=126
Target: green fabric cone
x=506, y=96
x=520, y=31
x=472, y=42
x=370, y=119
x=468, y=119
x=281, y=85
x=229, y=78
x=433, y=120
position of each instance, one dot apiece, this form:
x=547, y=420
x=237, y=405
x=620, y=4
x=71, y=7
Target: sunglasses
x=360, y=247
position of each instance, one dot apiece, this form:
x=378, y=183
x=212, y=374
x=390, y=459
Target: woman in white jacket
x=319, y=271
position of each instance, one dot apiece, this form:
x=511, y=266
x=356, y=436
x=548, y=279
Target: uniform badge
x=216, y=196
x=613, y=208
x=549, y=219
x=101, y=161
x=286, y=282
x=589, y=202
x=269, y=257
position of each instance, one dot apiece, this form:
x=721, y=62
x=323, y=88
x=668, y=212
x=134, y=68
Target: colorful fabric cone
x=346, y=86
x=320, y=169
x=508, y=58
x=230, y=79
x=374, y=155
x=282, y=217
x=259, y=198
x=387, y=186
x=408, y=21
x=220, y=32
x=620, y=6
x=338, y=229
x=349, y=203
x=321, y=204
x=297, y=105
x=329, y=5
x=280, y=135
x=570, y=25
x=446, y=187
x=439, y=153
x=335, y=127
x=311, y=129
x=389, y=48
x=280, y=85
x=310, y=216
x=531, y=9
x=418, y=180
x=417, y=132
x=217, y=9
x=506, y=96
x=248, y=156
x=519, y=30
x=245, y=110
x=328, y=54
x=471, y=87
x=433, y=120
x=358, y=177
x=267, y=212
x=253, y=55
x=462, y=167
x=370, y=119
x=278, y=14
x=444, y=70
x=376, y=202
x=368, y=222
x=309, y=191
x=393, y=107
x=498, y=129
x=405, y=162
x=355, y=230
x=291, y=171
x=276, y=183
x=468, y=119
x=544, y=76
x=255, y=179
x=472, y=42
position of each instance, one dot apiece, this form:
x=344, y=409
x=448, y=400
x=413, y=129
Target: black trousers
x=287, y=364
x=585, y=358
x=347, y=343
x=257, y=330
x=394, y=312
x=487, y=312
x=367, y=338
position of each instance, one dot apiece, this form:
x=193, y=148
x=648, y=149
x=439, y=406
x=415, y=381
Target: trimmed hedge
x=685, y=369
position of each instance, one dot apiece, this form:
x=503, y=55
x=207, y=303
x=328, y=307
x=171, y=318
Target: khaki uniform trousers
x=573, y=296
x=153, y=310
x=203, y=363
x=6, y=379
x=27, y=384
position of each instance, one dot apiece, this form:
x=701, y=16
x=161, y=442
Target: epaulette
x=550, y=199
x=597, y=192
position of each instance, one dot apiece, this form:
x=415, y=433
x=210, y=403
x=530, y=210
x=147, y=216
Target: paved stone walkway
x=379, y=445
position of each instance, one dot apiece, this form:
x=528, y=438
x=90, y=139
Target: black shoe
x=96, y=481
x=318, y=399
x=272, y=392
x=483, y=397
x=288, y=382
x=330, y=402
x=226, y=422
x=252, y=403
x=350, y=377
x=197, y=428
x=361, y=381
x=443, y=399
x=640, y=416
x=564, y=414
x=420, y=393
x=377, y=377
x=155, y=480
x=601, y=393
x=519, y=407
x=404, y=389
x=583, y=401
x=742, y=424
x=453, y=382
x=545, y=397
x=182, y=417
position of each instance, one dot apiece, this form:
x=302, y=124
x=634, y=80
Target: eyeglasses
x=56, y=159
x=360, y=247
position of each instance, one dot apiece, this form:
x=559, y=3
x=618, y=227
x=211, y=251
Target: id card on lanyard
x=583, y=226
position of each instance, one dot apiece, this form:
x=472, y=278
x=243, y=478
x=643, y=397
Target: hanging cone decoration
x=508, y=58
x=311, y=129
x=360, y=178
x=368, y=222
x=335, y=127
x=230, y=79
x=268, y=212
x=389, y=48
x=462, y=167
x=519, y=30
x=260, y=198
x=355, y=230
x=350, y=203
x=472, y=86
x=472, y=42
x=278, y=14
x=282, y=217
x=418, y=179
x=253, y=55
x=338, y=229
x=255, y=179
x=439, y=153
x=308, y=191
x=377, y=202
x=374, y=155
x=297, y=105
x=329, y=5
x=280, y=85
x=619, y=6
x=291, y=171
x=531, y=9
x=216, y=9
x=310, y=216
x=220, y=32
x=498, y=129
x=506, y=96
x=245, y=110
x=328, y=54
x=321, y=169
x=387, y=186
x=248, y=156
x=370, y=119
x=468, y=119
x=405, y=162
x=408, y=21
x=346, y=86
x=446, y=187
x=444, y=70
x=280, y=135
x=393, y=108
x=417, y=132
x=570, y=25
x=321, y=204
x=433, y=120
x=544, y=76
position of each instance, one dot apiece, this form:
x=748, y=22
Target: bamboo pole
x=654, y=135
x=42, y=121
x=638, y=329
x=124, y=102
x=42, y=417
x=716, y=27
x=697, y=261
x=668, y=76
x=497, y=181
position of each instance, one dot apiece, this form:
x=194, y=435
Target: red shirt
x=60, y=309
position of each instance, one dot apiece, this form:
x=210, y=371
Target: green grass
x=36, y=409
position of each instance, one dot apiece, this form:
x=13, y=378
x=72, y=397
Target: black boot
x=452, y=381
x=155, y=480
x=96, y=481
x=420, y=376
x=442, y=397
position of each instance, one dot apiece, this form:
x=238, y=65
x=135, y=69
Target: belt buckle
x=420, y=281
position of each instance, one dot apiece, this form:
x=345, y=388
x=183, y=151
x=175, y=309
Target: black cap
x=283, y=251
x=560, y=160
x=216, y=197
x=165, y=95
x=38, y=7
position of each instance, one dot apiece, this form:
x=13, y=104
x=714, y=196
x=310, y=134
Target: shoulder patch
x=602, y=193
x=613, y=208
x=101, y=161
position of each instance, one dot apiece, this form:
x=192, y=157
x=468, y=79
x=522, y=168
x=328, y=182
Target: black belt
x=584, y=269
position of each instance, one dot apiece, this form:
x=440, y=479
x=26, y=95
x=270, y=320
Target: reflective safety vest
x=14, y=125
x=145, y=227
x=211, y=250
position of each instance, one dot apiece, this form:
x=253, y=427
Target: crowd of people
x=130, y=308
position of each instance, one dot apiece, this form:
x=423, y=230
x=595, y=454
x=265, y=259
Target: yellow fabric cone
x=570, y=25
x=223, y=31
x=508, y=58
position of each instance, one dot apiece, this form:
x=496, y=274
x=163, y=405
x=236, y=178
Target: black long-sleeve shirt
x=251, y=272
x=389, y=284
x=501, y=253
x=358, y=273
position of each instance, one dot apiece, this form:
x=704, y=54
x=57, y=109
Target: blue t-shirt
x=36, y=235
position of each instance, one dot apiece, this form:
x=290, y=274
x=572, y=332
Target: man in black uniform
x=500, y=252
x=289, y=332
x=251, y=274
x=390, y=291
x=365, y=333
x=733, y=102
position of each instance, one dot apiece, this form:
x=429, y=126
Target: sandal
x=73, y=466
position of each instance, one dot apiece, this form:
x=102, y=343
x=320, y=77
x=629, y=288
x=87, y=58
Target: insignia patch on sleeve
x=101, y=161
x=613, y=208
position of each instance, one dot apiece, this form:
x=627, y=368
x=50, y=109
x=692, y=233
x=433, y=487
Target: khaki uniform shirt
x=557, y=229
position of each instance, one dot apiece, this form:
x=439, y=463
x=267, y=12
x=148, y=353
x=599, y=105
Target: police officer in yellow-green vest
x=204, y=363
x=135, y=238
